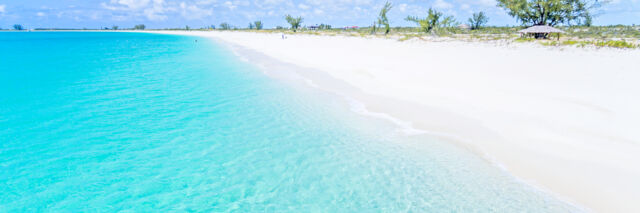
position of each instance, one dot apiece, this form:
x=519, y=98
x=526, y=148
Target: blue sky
x=199, y=13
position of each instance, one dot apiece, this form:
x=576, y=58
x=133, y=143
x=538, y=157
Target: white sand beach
x=564, y=119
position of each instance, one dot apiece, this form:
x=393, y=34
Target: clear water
x=144, y=122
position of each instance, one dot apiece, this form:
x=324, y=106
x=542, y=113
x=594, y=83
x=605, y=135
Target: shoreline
x=322, y=81
x=541, y=134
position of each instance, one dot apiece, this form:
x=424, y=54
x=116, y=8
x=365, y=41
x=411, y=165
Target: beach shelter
x=464, y=27
x=540, y=31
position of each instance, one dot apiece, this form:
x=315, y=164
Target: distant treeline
x=527, y=12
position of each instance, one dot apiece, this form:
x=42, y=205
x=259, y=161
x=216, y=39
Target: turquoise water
x=143, y=122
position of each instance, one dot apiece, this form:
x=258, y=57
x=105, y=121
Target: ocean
x=135, y=122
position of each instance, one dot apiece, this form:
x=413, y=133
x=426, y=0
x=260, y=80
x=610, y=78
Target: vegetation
x=434, y=20
x=551, y=12
x=139, y=27
x=620, y=44
x=588, y=21
x=615, y=44
x=595, y=36
x=382, y=18
x=187, y=28
x=294, y=22
x=575, y=19
x=324, y=27
x=225, y=26
x=258, y=25
x=114, y=27
x=525, y=39
x=18, y=27
x=604, y=32
x=478, y=20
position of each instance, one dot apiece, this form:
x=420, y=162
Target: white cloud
x=441, y=4
x=192, y=12
x=95, y=16
x=230, y=5
x=157, y=11
x=402, y=7
x=303, y=6
x=206, y=2
x=154, y=10
x=488, y=3
x=41, y=14
x=132, y=4
x=336, y=12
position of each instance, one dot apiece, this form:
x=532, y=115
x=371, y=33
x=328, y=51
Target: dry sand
x=563, y=119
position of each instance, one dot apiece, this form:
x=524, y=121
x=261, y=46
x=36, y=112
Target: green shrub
x=434, y=20
x=294, y=22
x=525, y=39
x=615, y=44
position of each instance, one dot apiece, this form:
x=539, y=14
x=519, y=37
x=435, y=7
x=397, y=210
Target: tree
x=258, y=25
x=114, y=27
x=478, y=20
x=187, y=28
x=551, y=12
x=18, y=27
x=373, y=28
x=251, y=26
x=434, y=20
x=294, y=22
x=324, y=27
x=588, y=21
x=382, y=18
x=139, y=27
x=225, y=26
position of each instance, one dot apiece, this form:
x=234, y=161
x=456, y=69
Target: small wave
x=408, y=129
x=405, y=127
x=310, y=83
x=238, y=55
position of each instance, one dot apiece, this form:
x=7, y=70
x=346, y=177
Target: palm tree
x=382, y=17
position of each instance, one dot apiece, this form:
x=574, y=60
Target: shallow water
x=146, y=122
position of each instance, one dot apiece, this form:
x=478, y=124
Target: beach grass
x=618, y=36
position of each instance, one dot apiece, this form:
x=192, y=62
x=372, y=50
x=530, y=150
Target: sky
x=95, y=14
